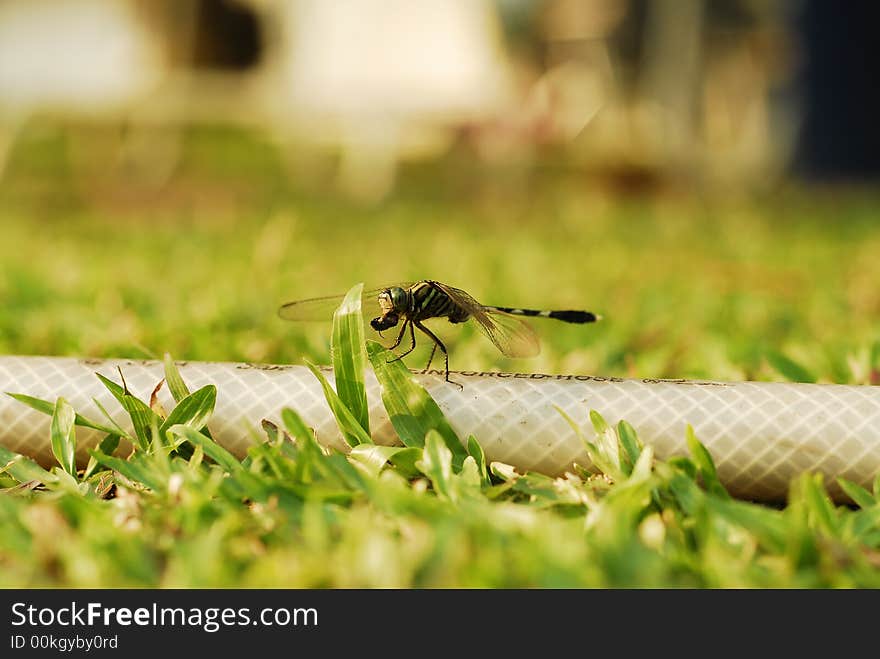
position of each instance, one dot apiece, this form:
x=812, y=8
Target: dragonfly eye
x=398, y=298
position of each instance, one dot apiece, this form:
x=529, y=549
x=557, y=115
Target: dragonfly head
x=384, y=321
x=394, y=300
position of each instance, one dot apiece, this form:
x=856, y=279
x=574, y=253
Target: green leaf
x=117, y=429
x=310, y=454
x=23, y=469
x=857, y=493
x=476, y=452
x=194, y=410
x=46, y=407
x=605, y=451
x=789, y=368
x=822, y=512
x=436, y=464
x=107, y=446
x=373, y=457
x=133, y=471
x=349, y=358
x=176, y=385
x=211, y=448
x=296, y=426
x=405, y=460
x=352, y=431
x=141, y=414
x=630, y=442
x=765, y=524
x=705, y=465
x=63, y=436
x=412, y=411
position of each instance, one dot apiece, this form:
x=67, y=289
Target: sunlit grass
x=779, y=288
x=180, y=510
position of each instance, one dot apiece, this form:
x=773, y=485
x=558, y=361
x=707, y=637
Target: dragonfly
x=410, y=304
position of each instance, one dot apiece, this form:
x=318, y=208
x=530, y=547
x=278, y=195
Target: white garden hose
x=761, y=434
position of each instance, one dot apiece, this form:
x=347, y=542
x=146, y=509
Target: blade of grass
x=788, y=368
x=349, y=358
x=46, y=407
x=436, y=464
x=412, y=411
x=63, y=437
x=476, y=452
x=310, y=453
x=107, y=446
x=373, y=457
x=140, y=413
x=176, y=385
x=194, y=410
x=211, y=448
x=352, y=431
x=116, y=427
x=133, y=471
x=857, y=493
x=24, y=469
x=629, y=440
x=705, y=465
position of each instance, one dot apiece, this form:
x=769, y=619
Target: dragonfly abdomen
x=566, y=316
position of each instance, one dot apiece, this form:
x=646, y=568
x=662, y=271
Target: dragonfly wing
x=513, y=336
x=323, y=308
x=316, y=308
x=510, y=334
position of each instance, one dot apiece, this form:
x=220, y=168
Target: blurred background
x=166, y=164
x=642, y=91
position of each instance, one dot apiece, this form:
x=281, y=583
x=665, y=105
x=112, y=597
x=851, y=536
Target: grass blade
x=476, y=452
x=857, y=493
x=176, y=385
x=410, y=407
x=107, y=446
x=788, y=368
x=194, y=410
x=352, y=431
x=24, y=469
x=373, y=457
x=436, y=464
x=63, y=437
x=295, y=425
x=46, y=407
x=140, y=413
x=131, y=470
x=705, y=465
x=211, y=448
x=629, y=440
x=349, y=358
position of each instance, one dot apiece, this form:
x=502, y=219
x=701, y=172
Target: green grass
x=180, y=510
x=774, y=288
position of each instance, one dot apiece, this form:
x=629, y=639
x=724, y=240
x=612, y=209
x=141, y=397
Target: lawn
x=768, y=287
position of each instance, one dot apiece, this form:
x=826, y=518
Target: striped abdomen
x=568, y=316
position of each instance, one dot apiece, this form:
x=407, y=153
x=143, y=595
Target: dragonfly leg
x=399, y=337
x=438, y=343
x=412, y=347
x=431, y=358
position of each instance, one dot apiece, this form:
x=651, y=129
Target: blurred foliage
x=97, y=264
x=182, y=511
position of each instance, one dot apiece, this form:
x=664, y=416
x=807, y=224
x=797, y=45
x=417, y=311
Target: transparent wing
x=322, y=308
x=510, y=334
x=316, y=308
